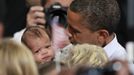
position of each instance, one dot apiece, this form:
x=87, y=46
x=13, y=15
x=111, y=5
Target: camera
x=56, y=10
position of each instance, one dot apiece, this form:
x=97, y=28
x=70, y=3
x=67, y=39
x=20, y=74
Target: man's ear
x=103, y=36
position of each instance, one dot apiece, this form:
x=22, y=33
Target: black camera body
x=56, y=10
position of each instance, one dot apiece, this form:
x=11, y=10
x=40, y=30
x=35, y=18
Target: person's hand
x=35, y=16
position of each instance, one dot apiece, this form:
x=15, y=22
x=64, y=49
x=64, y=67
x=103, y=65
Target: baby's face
x=42, y=49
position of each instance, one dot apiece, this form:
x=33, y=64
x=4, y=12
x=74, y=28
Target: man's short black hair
x=98, y=14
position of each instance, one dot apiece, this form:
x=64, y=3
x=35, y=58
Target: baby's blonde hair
x=85, y=54
x=16, y=59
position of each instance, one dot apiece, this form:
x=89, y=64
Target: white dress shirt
x=17, y=36
x=115, y=51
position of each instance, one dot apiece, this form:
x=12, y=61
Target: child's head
x=16, y=59
x=86, y=54
x=37, y=39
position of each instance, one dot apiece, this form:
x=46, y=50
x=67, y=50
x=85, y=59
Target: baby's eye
x=37, y=51
x=48, y=46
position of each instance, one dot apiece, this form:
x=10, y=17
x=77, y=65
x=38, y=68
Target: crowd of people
x=87, y=45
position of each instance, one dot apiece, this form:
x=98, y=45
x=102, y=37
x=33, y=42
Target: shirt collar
x=110, y=47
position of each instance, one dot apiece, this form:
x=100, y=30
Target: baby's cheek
x=37, y=58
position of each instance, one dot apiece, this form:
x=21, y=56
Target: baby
x=38, y=41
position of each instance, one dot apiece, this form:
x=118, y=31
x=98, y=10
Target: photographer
x=36, y=16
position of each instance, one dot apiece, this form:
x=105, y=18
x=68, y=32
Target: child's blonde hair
x=85, y=54
x=16, y=59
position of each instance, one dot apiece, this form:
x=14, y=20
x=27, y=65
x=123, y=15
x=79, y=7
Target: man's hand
x=36, y=16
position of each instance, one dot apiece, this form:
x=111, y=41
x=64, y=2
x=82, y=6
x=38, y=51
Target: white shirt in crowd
x=17, y=36
x=115, y=51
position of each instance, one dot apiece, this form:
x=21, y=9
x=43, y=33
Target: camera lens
x=56, y=10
